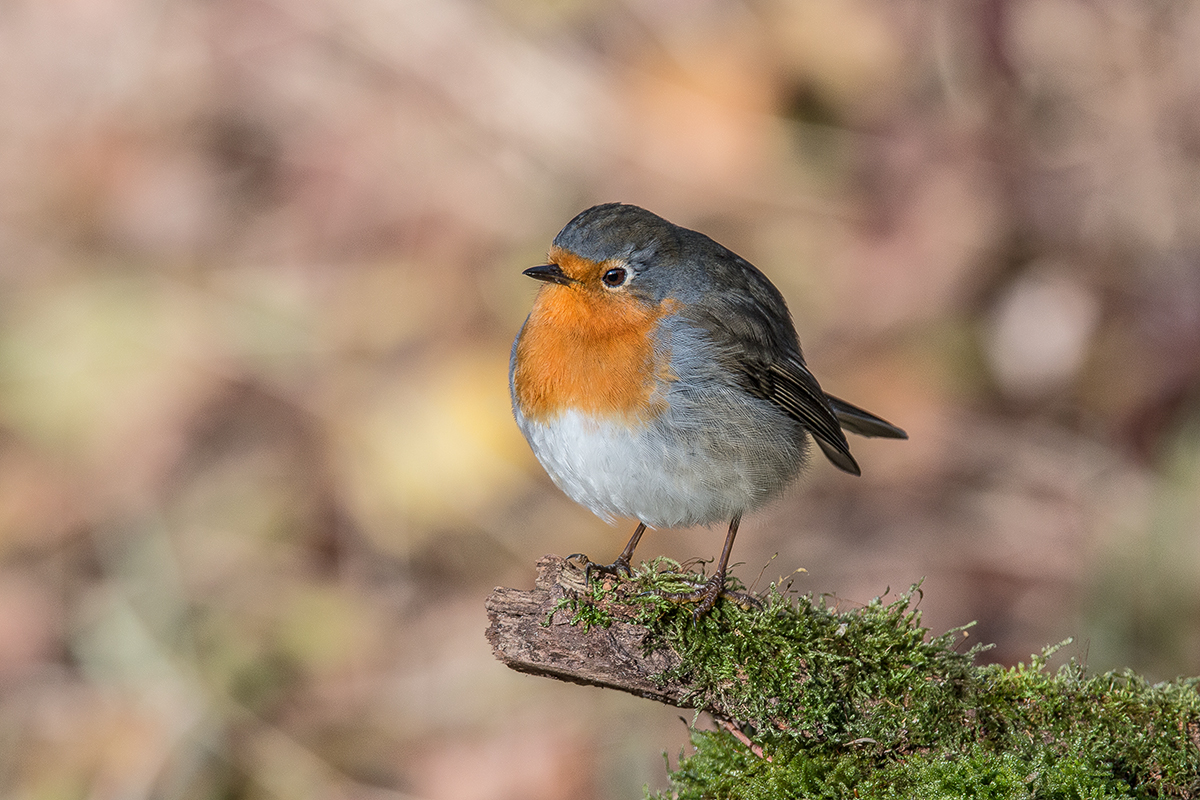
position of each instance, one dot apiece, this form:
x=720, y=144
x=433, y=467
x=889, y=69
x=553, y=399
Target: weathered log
x=529, y=635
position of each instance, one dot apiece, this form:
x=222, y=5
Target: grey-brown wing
x=790, y=385
x=755, y=341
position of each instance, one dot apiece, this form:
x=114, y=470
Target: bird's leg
x=706, y=595
x=620, y=565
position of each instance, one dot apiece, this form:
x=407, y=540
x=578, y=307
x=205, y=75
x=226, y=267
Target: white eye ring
x=616, y=277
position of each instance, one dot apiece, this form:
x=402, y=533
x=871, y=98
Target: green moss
x=722, y=767
x=587, y=609
x=864, y=704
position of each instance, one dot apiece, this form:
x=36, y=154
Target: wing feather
x=752, y=344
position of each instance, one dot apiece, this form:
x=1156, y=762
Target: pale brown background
x=260, y=270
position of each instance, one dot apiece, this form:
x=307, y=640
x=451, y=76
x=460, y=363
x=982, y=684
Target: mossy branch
x=537, y=632
x=859, y=703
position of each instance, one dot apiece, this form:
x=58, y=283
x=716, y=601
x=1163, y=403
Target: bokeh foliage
x=259, y=274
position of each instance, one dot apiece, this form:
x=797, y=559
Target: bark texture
x=618, y=657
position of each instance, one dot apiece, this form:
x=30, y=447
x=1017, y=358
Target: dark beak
x=550, y=273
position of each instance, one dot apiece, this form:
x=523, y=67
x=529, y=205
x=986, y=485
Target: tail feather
x=864, y=423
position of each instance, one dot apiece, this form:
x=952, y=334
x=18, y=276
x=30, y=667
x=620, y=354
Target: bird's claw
x=619, y=567
x=706, y=596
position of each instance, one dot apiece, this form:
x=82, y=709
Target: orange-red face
x=588, y=344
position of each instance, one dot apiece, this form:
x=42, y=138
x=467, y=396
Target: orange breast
x=586, y=349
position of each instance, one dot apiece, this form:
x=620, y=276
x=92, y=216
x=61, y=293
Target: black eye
x=615, y=277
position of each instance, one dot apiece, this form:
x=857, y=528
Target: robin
x=659, y=378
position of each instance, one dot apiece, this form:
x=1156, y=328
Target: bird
x=658, y=377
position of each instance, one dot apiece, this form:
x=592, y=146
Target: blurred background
x=260, y=272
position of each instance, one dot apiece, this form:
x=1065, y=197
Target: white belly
x=667, y=473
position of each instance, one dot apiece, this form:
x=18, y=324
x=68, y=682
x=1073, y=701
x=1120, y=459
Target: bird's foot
x=706, y=596
x=619, y=567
